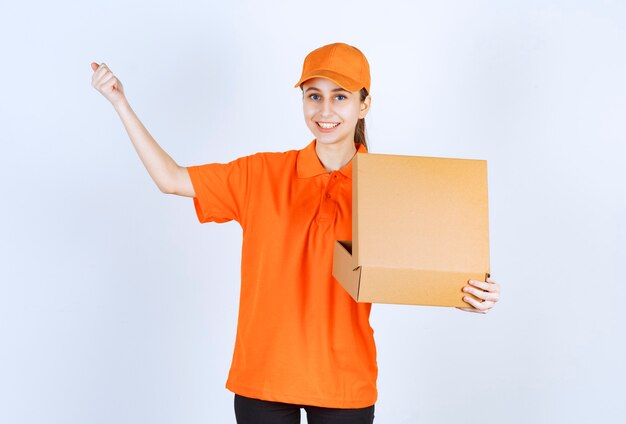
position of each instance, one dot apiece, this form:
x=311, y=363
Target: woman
x=302, y=341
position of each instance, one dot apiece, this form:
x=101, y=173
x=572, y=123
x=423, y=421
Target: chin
x=330, y=139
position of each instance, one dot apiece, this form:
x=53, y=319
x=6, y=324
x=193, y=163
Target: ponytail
x=359, y=133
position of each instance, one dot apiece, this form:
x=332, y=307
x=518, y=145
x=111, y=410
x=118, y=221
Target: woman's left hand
x=487, y=292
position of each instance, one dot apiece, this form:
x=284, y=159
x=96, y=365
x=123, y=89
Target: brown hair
x=359, y=133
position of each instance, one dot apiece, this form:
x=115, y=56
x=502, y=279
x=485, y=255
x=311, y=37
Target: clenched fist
x=106, y=83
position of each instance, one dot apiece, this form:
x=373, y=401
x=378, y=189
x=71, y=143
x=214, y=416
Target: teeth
x=328, y=125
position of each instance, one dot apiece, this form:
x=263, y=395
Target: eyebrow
x=333, y=90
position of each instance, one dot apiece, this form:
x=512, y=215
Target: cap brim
x=341, y=80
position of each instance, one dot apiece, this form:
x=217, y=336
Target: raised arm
x=167, y=174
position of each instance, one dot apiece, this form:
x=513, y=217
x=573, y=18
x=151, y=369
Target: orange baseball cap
x=341, y=63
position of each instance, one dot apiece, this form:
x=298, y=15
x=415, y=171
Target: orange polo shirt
x=300, y=338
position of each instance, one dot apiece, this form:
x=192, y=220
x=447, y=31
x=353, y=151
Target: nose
x=326, y=108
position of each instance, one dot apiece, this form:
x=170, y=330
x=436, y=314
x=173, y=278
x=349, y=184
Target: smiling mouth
x=327, y=125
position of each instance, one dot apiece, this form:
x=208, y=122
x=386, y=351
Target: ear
x=365, y=106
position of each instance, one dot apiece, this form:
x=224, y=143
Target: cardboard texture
x=420, y=230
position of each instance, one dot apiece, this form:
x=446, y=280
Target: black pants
x=256, y=411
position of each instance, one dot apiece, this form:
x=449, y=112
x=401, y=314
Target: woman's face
x=331, y=112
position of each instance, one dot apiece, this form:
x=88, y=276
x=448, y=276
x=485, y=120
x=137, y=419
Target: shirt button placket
x=328, y=206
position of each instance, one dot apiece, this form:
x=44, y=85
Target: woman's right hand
x=106, y=83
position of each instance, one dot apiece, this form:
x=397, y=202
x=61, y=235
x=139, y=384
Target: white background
x=117, y=306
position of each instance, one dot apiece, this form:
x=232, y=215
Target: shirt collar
x=309, y=165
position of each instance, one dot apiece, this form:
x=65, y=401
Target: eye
x=341, y=95
x=314, y=96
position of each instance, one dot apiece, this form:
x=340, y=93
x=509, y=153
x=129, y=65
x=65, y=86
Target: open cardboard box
x=420, y=230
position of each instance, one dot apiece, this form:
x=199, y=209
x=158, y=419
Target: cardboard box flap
x=343, y=272
x=412, y=286
x=410, y=210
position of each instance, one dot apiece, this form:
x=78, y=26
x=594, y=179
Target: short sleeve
x=220, y=190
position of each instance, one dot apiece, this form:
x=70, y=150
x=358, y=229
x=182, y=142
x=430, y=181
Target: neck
x=335, y=156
